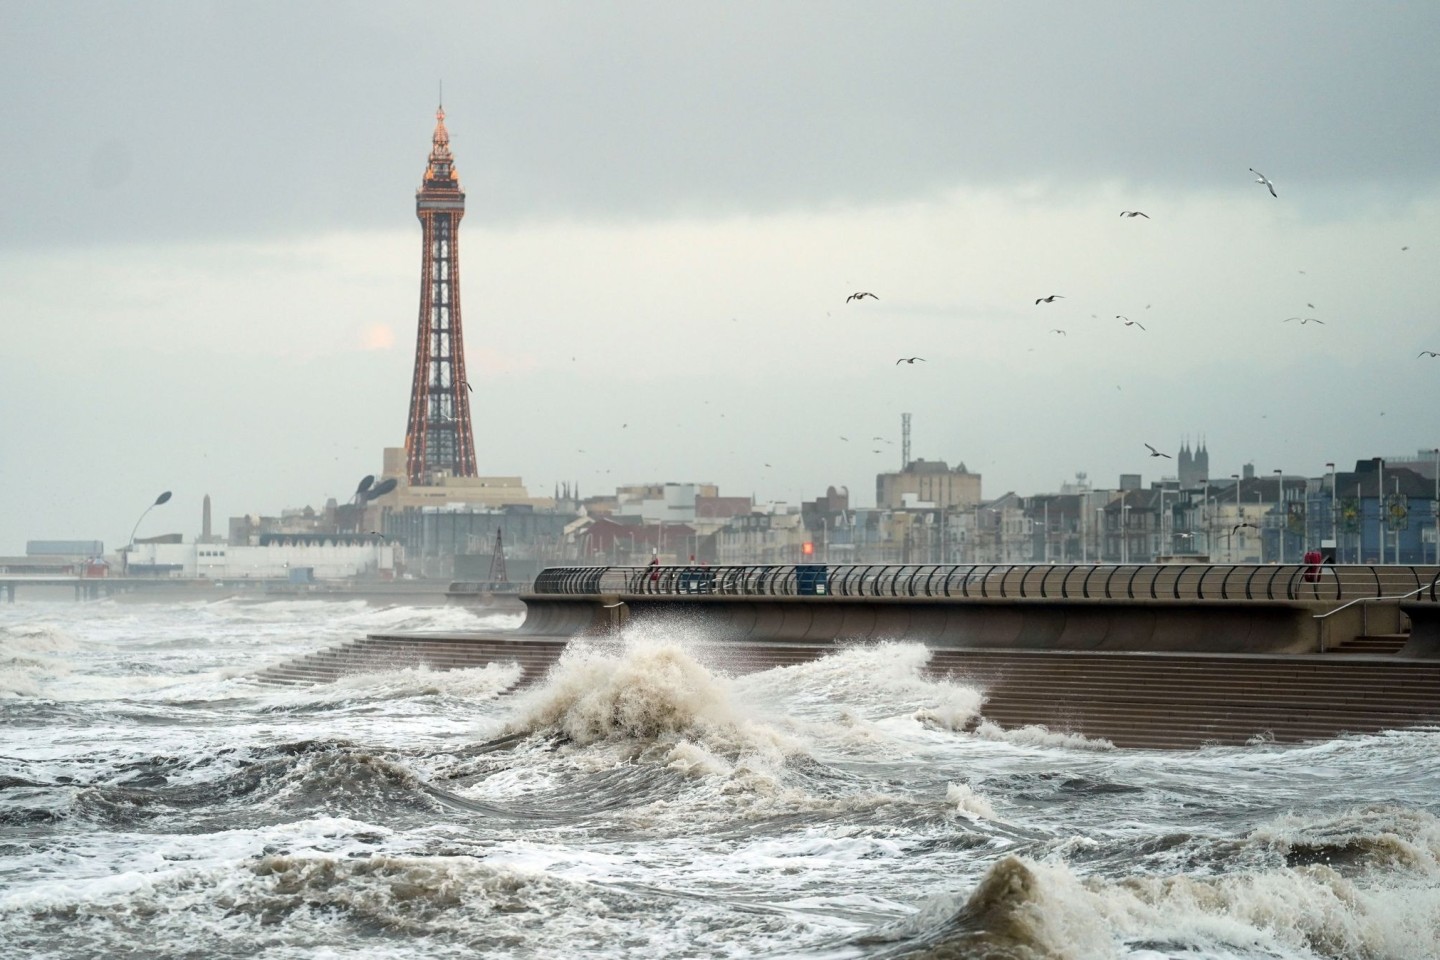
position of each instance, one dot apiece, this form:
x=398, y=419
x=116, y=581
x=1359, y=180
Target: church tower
x=439, y=441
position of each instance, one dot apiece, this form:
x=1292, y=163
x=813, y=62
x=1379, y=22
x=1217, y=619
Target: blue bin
x=811, y=579
x=695, y=581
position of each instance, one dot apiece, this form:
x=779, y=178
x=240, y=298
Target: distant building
x=1194, y=466
x=327, y=558
x=931, y=482
x=74, y=549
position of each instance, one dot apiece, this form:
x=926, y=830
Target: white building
x=327, y=559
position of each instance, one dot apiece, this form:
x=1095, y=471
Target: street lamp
x=1380, y=506
x=1280, y=507
x=1334, y=522
x=129, y=545
x=1125, y=529
x=1387, y=521
x=1435, y=505
x=1239, y=516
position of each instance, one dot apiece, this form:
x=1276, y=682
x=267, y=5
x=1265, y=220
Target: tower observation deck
x=439, y=440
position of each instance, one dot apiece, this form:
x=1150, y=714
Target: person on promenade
x=1313, y=559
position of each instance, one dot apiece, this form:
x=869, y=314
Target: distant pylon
x=904, y=440
x=497, y=559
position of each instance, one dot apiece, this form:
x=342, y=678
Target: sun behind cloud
x=377, y=336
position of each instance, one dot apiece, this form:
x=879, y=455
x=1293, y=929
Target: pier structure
x=1153, y=656
x=439, y=439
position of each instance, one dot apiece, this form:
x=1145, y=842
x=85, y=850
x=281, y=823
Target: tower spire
x=442, y=162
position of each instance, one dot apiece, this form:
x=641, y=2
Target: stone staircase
x=375, y=654
x=1140, y=700
x=1177, y=700
x=1378, y=643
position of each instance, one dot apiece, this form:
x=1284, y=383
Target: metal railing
x=1174, y=582
x=1322, y=620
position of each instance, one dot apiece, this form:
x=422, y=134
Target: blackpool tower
x=439, y=441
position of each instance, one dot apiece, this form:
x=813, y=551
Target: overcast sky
x=209, y=254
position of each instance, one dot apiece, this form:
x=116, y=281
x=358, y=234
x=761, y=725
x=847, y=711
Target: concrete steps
x=1161, y=701
x=1381, y=643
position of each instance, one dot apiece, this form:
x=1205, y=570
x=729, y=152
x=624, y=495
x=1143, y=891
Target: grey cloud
x=161, y=120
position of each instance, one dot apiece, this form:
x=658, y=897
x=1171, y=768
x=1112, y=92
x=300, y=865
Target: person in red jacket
x=1313, y=558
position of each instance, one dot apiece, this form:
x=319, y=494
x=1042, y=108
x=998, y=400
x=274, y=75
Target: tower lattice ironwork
x=439, y=440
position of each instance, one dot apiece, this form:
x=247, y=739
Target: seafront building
x=1376, y=512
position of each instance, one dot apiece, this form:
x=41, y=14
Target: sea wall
x=1212, y=626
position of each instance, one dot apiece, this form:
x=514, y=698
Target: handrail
x=1158, y=583
x=1351, y=603
x=1364, y=626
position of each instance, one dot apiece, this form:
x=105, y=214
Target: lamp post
x=1259, y=518
x=1396, y=554
x=1334, y=524
x=129, y=544
x=1280, y=508
x=1435, y=506
x=1239, y=517
x=1125, y=529
x=1380, y=507
x=1047, y=531
x=1207, y=521
x=1163, y=548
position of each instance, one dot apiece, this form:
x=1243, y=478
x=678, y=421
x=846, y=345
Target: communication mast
x=497, y=559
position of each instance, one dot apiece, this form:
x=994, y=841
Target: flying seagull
x=1050, y=299
x=909, y=360
x=1239, y=525
x=1429, y=353
x=1129, y=322
x=1059, y=331
x=1134, y=213
x=1305, y=320
x=1157, y=453
x=467, y=385
x=1261, y=178
x=861, y=295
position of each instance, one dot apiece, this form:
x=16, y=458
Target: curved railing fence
x=1173, y=581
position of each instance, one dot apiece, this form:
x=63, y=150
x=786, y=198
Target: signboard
x=1397, y=512
x=1350, y=514
x=1295, y=517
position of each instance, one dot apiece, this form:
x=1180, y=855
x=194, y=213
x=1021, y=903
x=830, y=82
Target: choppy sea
x=642, y=801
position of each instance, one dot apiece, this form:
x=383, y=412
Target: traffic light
x=807, y=548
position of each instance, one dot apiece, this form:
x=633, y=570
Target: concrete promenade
x=1178, y=608
x=1140, y=657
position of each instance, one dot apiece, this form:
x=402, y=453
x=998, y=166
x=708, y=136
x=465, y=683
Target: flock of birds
x=1260, y=178
x=860, y=296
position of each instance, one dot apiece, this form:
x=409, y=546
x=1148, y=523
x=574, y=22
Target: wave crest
x=643, y=691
